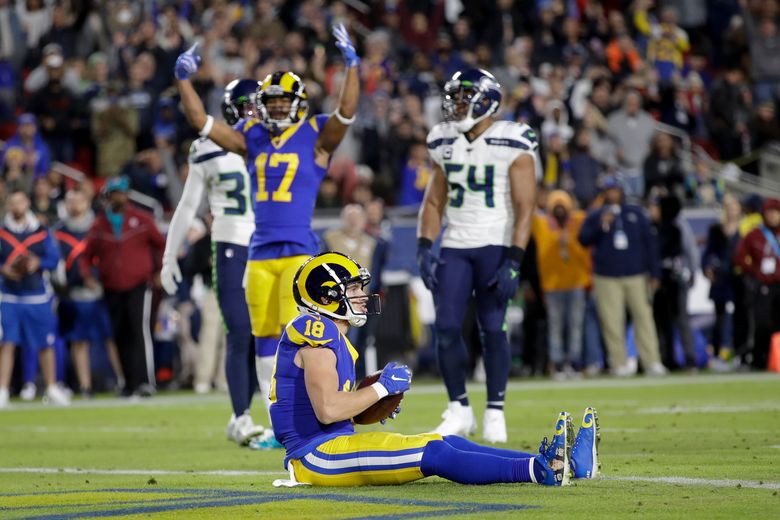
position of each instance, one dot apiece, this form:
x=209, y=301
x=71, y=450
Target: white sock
x=265, y=370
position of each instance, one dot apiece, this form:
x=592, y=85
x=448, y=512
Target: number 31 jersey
x=479, y=211
x=226, y=180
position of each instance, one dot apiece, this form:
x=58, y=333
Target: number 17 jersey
x=285, y=183
x=479, y=211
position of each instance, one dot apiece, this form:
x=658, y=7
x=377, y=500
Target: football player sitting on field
x=314, y=400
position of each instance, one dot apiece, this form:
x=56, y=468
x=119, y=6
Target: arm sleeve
x=185, y=211
x=51, y=256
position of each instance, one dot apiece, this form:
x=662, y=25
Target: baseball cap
x=26, y=119
x=121, y=183
x=611, y=181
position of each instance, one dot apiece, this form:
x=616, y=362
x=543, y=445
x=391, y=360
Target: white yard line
x=680, y=481
x=685, y=481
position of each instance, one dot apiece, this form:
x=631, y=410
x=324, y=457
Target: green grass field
x=705, y=446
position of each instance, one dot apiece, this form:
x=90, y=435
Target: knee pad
x=435, y=451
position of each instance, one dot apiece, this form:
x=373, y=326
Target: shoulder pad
x=312, y=331
x=440, y=134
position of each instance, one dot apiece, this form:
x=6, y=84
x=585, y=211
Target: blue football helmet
x=478, y=89
x=238, y=101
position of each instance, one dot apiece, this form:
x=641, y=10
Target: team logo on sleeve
x=446, y=152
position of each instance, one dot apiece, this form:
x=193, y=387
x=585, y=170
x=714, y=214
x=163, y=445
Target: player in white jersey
x=484, y=182
x=223, y=175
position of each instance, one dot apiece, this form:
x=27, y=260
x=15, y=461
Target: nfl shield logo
x=447, y=152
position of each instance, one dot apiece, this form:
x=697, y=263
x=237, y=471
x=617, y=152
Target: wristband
x=343, y=120
x=424, y=243
x=204, y=132
x=380, y=390
x=516, y=253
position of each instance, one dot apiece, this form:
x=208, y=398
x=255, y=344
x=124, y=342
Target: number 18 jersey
x=479, y=211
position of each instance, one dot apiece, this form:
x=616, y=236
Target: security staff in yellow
x=314, y=399
x=287, y=155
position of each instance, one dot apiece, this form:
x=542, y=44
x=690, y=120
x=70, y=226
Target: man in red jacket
x=758, y=254
x=126, y=247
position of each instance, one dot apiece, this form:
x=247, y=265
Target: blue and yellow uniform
x=333, y=454
x=285, y=182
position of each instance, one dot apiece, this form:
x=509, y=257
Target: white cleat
x=656, y=370
x=4, y=398
x=458, y=420
x=56, y=396
x=494, y=426
x=241, y=429
x=28, y=392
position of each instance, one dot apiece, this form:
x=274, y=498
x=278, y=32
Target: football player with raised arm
x=314, y=400
x=223, y=176
x=287, y=153
x=484, y=182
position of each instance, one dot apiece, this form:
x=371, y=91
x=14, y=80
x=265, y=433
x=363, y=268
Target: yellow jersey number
x=282, y=193
x=314, y=328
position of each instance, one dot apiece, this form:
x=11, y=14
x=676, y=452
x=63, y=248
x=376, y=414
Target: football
x=380, y=409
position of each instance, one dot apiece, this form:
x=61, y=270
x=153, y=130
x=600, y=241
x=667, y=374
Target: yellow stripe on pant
x=269, y=293
x=364, y=459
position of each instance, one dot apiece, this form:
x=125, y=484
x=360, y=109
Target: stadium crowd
x=610, y=87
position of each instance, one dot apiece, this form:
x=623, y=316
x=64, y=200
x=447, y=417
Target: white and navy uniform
x=480, y=212
x=224, y=177
x=479, y=216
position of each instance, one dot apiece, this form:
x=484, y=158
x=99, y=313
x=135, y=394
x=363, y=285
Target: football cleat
x=28, y=392
x=56, y=396
x=555, y=456
x=494, y=426
x=585, y=451
x=241, y=429
x=266, y=441
x=458, y=420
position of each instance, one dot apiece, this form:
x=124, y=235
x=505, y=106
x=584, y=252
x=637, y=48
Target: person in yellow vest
x=564, y=272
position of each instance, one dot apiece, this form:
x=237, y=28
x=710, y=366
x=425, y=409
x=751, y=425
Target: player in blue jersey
x=287, y=154
x=27, y=249
x=314, y=399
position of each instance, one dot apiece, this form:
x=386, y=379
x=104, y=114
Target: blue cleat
x=266, y=441
x=555, y=456
x=585, y=452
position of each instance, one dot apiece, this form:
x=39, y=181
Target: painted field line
x=87, y=471
x=685, y=481
x=767, y=406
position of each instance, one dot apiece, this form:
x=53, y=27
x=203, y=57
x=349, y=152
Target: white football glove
x=170, y=275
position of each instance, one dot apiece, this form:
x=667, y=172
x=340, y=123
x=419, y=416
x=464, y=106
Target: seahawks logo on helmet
x=320, y=286
x=479, y=90
x=238, y=100
x=287, y=85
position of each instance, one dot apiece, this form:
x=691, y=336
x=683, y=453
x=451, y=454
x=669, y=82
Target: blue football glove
x=395, y=378
x=427, y=263
x=392, y=415
x=506, y=281
x=345, y=45
x=187, y=63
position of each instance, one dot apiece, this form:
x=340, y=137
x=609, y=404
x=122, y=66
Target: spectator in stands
x=667, y=43
x=35, y=157
x=51, y=64
x=126, y=247
x=564, y=272
x=730, y=103
x=414, y=176
x=663, y=166
x=585, y=169
x=679, y=262
x=114, y=126
x=764, y=42
x=758, y=254
x=626, y=273
x=718, y=267
x=56, y=109
x=764, y=126
x=43, y=205
x=35, y=16
x=632, y=129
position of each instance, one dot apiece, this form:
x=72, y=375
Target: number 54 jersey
x=479, y=211
x=285, y=183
